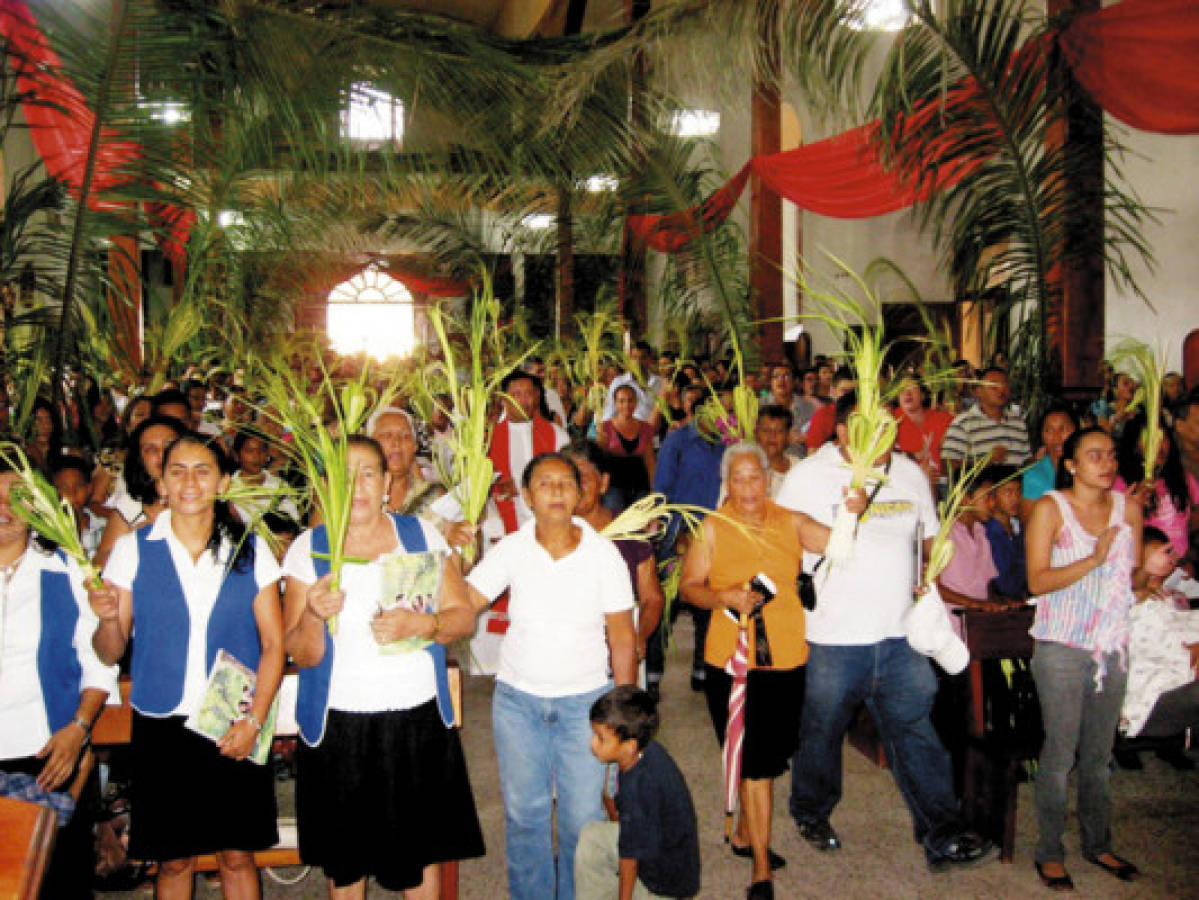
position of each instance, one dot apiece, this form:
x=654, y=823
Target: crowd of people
x=1060, y=515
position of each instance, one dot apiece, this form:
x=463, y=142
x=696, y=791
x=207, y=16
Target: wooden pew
x=27, y=833
x=993, y=767
x=113, y=728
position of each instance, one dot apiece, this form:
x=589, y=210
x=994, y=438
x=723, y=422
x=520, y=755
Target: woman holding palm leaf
x=378, y=746
x=193, y=584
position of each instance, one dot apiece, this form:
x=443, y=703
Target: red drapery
x=1139, y=59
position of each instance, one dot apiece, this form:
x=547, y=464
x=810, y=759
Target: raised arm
x=1038, y=550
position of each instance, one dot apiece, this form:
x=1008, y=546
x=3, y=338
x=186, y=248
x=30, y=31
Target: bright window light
x=881, y=15
x=371, y=312
x=168, y=112
x=597, y=184
x=229, y=218
x=694, y=123
x=372, y=115
x=538, y=221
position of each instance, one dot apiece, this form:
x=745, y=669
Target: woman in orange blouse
x=753, y=536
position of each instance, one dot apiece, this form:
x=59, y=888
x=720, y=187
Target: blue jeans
x=898, y=687
x=543, y=745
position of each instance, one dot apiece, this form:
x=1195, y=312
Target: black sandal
x=1059, y=883
x=776, y=861
x=1123, y=869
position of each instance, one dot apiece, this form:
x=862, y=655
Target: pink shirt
x=1174, y=522
x=972, y=567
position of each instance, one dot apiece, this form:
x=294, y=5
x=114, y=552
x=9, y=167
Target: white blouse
x=201, y=581
x=364, y=678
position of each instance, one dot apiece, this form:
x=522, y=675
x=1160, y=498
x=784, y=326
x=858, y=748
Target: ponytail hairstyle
x=225, y=525
x=1064, y=478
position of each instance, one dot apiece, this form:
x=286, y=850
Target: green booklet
x=228, y=697
x=411, y=581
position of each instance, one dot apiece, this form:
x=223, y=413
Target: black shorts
x=385, y=794
x=773, y=703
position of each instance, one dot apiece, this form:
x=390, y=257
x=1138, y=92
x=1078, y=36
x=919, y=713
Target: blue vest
x=58, y=668
x=312, y=698
x=163, y=628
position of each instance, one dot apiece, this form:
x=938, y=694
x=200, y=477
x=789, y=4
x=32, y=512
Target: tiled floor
x=1156, y=823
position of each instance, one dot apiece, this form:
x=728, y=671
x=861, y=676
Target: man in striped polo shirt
x=988, y=427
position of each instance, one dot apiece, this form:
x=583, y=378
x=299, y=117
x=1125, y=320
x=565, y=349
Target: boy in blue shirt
x=653, y=850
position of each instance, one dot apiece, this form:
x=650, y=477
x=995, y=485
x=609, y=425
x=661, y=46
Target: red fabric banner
x=1139, y=60
x=58, y=116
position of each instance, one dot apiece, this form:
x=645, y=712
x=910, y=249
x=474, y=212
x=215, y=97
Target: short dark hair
x=845, y=404
x=77, y=463
x=1151, y=534
x=777, y=411
x=517, y=375
x=993, y=370
x=645, y=346
x=249, y=434
x=362, y=440
x=630, y=712
x=998, y=474
x=168, y=397
x=1182, y=409
x=527, y=478
x=588, y=451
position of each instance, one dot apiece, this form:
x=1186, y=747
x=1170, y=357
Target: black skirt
x=773, y=703
x=385, y=794
x=187, y=799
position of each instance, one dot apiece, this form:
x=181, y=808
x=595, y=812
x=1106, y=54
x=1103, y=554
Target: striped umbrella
x=734, y=732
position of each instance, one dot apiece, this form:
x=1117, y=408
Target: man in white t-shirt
x=859, y=652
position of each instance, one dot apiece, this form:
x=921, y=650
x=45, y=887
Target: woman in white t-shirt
x=381, y=786
x=188, y=586
x=571, y=613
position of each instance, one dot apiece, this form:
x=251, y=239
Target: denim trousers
x=543, y=745
x=898, y=687
x=1080, y=723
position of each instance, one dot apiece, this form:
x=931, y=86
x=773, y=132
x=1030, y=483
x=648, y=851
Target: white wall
x=1166, y=175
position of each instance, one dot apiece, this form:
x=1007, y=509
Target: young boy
x=966, y=579
x=1004, y=534
x=653, y=851
x=72, y=478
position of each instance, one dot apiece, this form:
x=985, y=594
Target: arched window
x=372, y=312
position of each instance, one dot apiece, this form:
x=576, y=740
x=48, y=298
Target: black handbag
x=805, y=584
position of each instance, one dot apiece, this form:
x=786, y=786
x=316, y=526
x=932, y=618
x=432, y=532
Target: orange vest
x=772, y=548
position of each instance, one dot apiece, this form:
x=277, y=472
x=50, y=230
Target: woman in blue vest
x=52, y=686
x=188, y=585
x=381, y=786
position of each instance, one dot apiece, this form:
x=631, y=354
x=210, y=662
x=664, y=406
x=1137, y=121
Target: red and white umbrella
x=734, y=732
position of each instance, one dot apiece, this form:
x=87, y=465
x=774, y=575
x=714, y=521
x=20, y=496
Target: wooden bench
x=26, y=841
x=993, y=766
x=114, y=726
x=27, y=834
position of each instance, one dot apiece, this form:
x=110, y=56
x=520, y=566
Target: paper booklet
x=411, y=581
x=227, y=698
